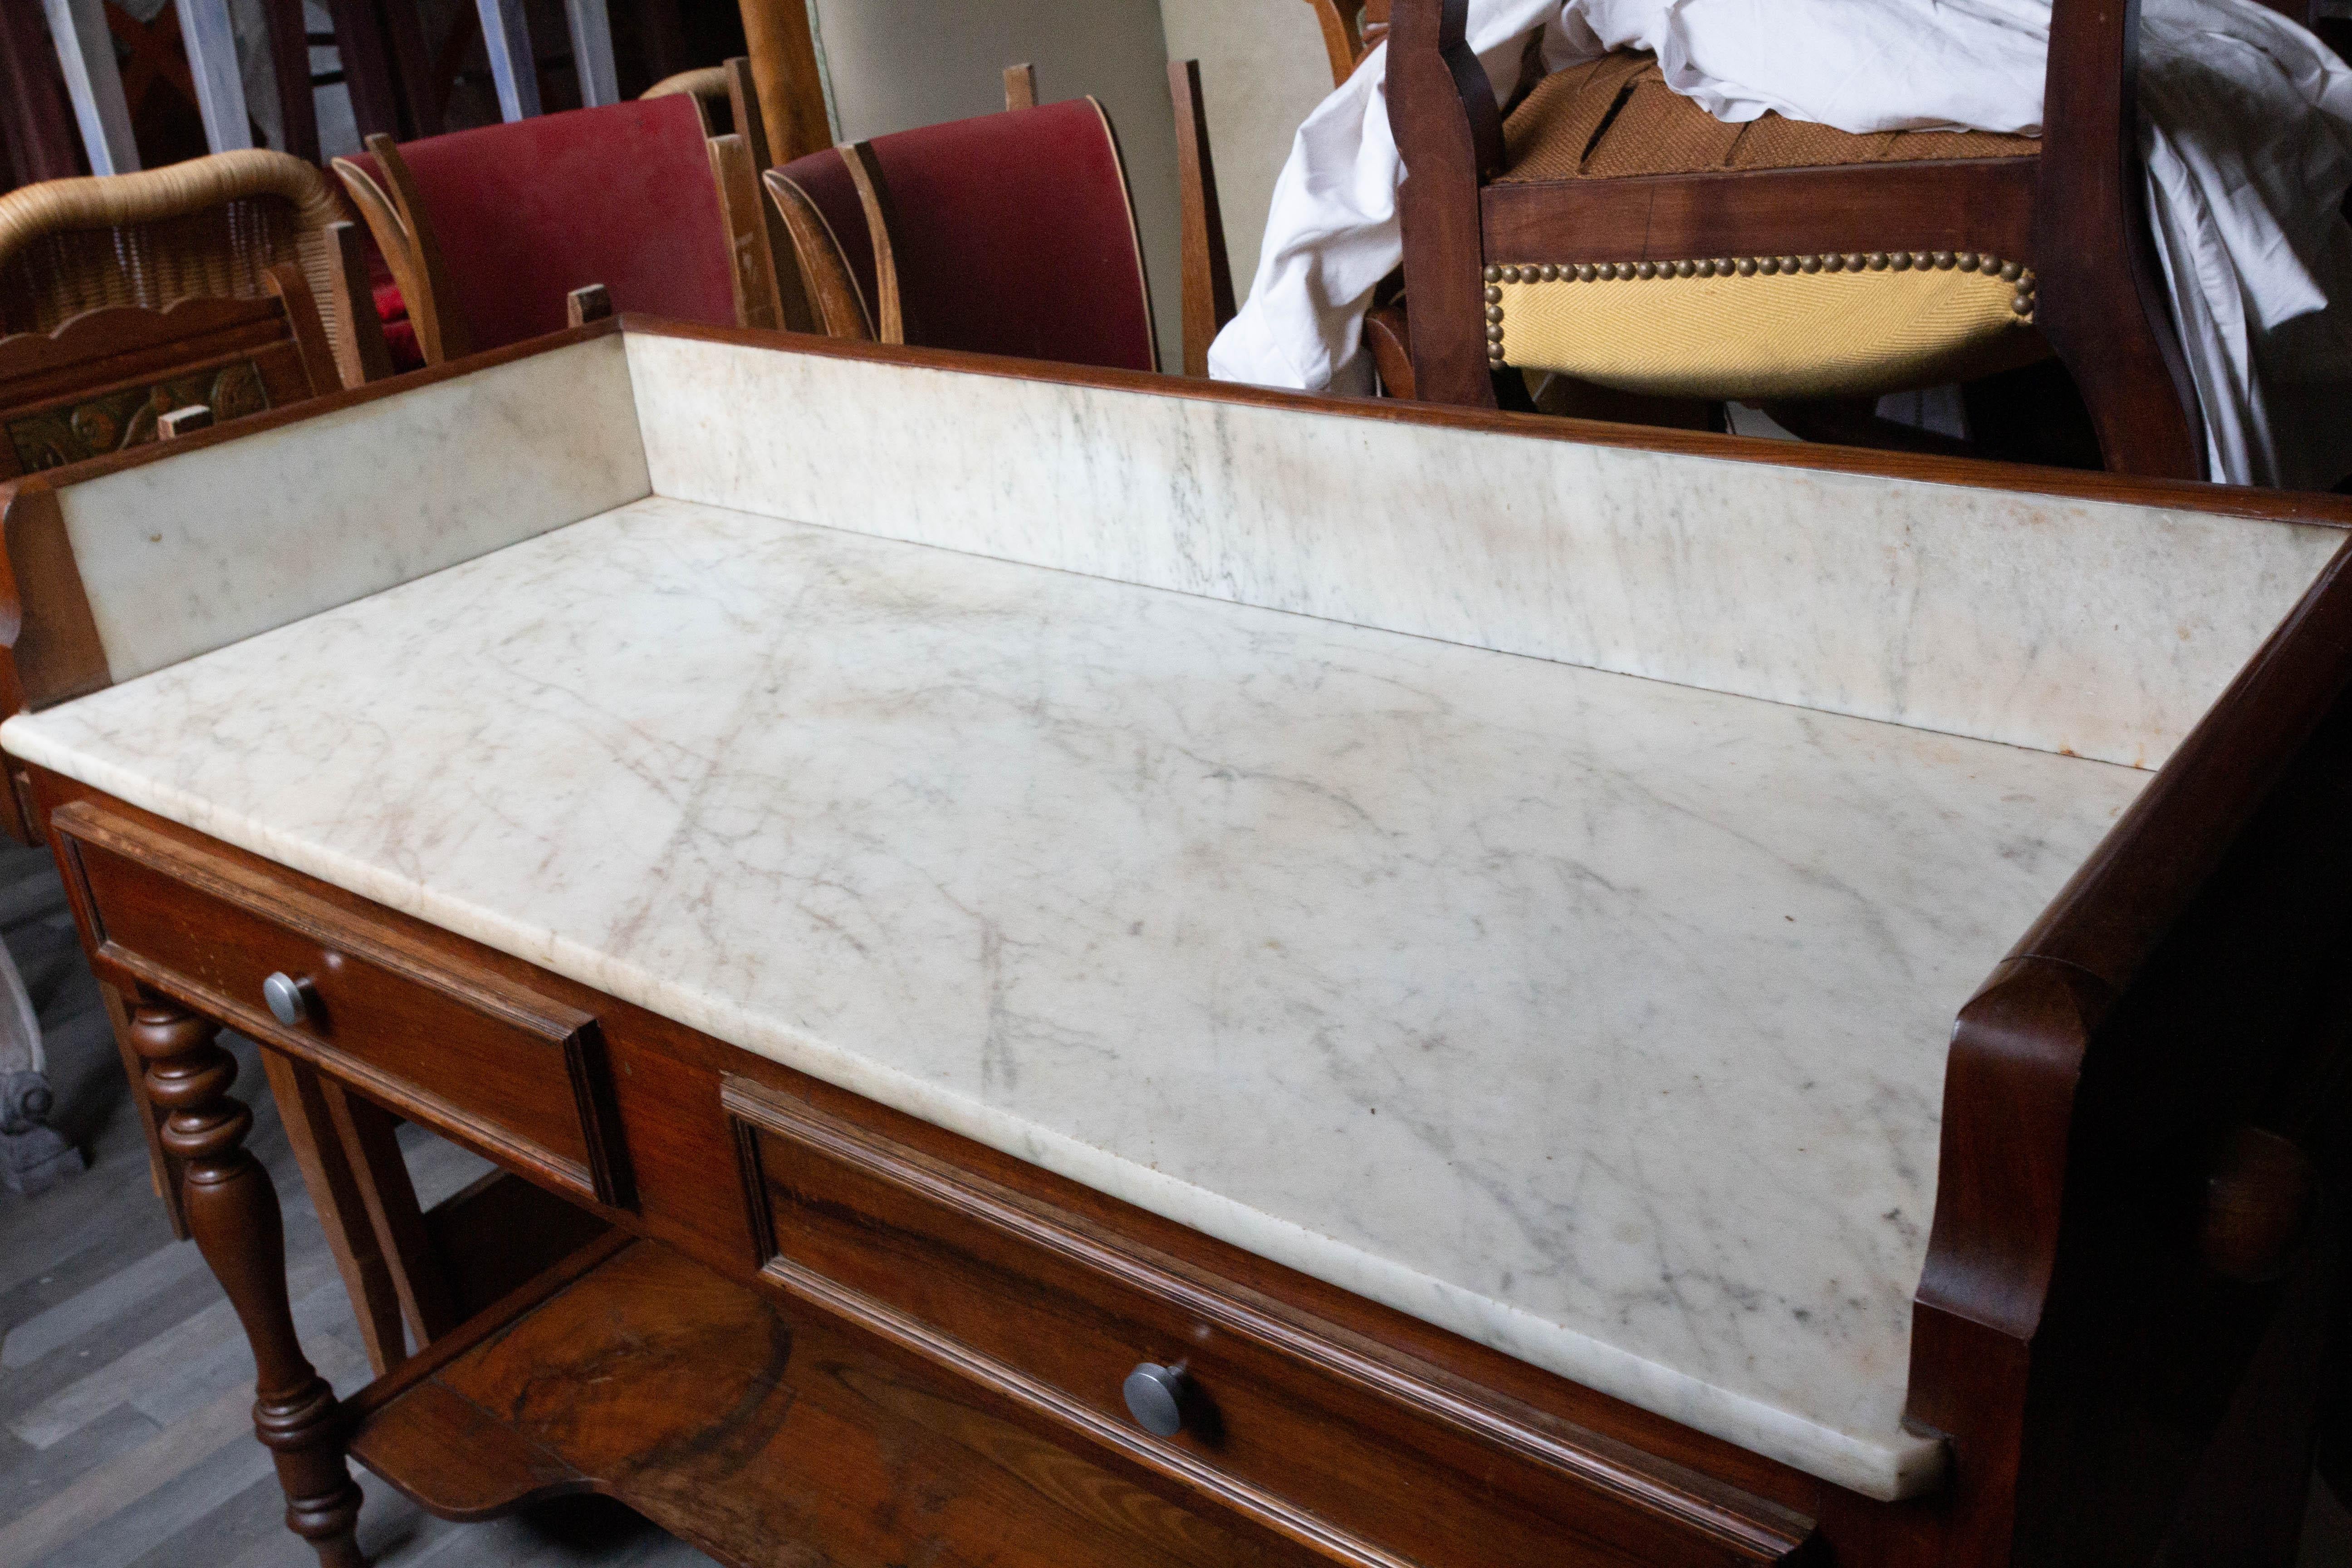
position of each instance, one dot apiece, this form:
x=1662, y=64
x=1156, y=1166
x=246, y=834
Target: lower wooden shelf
x=758, y=1437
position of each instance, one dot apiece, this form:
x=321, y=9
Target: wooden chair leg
x=335, y=1193
x=366, y=1132
x=163, y=1170
x=232, y=1210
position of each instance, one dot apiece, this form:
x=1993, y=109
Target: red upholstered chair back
x=526, y=212
x=823, y=179
x=1012, y=235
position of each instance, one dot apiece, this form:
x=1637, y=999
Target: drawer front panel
x=1365, y=1456
x=447, y=1043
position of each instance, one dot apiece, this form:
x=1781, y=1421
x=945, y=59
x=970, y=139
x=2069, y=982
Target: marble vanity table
x=1185, y=974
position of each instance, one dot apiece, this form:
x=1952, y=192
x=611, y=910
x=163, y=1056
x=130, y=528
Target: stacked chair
x=1611, y=230
x=488, y=232
x=1007, y=234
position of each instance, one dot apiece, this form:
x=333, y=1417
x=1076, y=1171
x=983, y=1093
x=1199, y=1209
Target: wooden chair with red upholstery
x=487, y=232
x=1007, y=234
x=1611, y=230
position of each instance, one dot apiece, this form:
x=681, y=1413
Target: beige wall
x=1262, y=69
x=898, y=64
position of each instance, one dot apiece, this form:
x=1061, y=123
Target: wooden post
x=1207, y=273
x=232, y=1210
x=784, y=70
x=86, y=57
x=205, y=34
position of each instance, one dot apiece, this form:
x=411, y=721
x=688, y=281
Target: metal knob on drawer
x=291, y=1001
x=1155, y=1397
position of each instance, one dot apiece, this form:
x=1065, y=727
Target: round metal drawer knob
x=1155, y=1397
x=290, y=1000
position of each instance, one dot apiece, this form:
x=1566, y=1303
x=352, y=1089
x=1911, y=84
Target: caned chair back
x=488, y=231
x=1008, y=234
x=122, y=375
x=210, y=227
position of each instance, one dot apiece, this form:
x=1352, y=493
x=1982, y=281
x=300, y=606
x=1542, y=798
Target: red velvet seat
x=1011, y=233
x=523, y=214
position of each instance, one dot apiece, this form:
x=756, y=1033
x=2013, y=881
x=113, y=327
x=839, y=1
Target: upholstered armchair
x=1613, y=231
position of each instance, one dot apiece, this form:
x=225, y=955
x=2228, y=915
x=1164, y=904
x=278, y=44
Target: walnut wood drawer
x=1358, y=1452
x=431, y=1035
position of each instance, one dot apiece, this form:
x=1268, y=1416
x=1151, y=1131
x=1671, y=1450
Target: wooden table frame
x=2130, y=1317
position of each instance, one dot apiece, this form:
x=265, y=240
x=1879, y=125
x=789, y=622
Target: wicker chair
x=211, y=226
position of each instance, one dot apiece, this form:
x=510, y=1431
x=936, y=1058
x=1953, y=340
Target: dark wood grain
x=453, y=1045
x=233, y=1211
x=700, y=1402
x=1388, y=338
x=326, y=1171
x=1449, y=133
x=363, y=1136
x=2103, y=301
x=1974, y=204
x=1309, y=1430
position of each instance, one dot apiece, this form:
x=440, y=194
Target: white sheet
x=2248, y=138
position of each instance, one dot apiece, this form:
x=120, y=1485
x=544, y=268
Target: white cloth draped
x=2247, y=132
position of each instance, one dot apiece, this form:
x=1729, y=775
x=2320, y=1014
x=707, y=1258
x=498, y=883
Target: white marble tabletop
x=1599, y=1019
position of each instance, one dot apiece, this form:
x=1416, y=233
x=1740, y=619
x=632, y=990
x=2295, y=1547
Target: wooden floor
x=125, y=1385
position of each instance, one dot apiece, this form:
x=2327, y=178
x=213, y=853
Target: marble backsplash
x=2093, y=628
x=221, y=544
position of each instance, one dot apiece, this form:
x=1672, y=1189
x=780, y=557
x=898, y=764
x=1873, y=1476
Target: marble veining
x=188, y=554
x=1598, y=1018
x=2101, y=629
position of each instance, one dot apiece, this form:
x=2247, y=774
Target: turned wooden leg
x=232, y=1210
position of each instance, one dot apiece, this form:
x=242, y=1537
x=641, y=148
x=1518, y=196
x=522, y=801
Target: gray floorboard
x=125, y=1385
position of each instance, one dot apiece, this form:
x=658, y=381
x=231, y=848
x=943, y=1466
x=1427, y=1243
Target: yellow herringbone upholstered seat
x=1809, y=325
